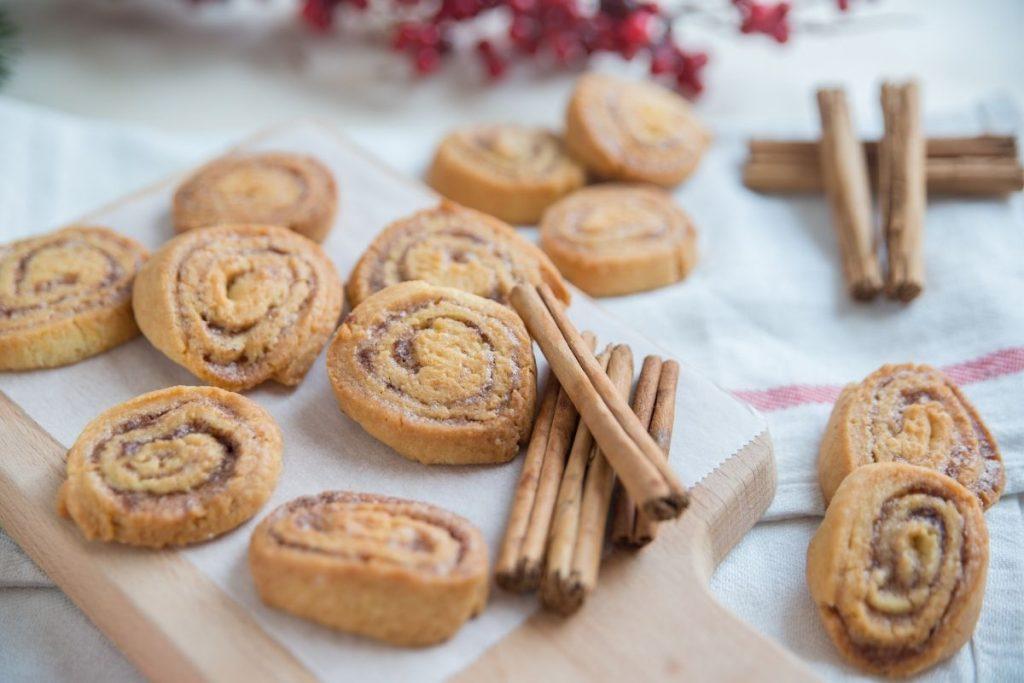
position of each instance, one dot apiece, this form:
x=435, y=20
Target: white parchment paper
x=325, y=450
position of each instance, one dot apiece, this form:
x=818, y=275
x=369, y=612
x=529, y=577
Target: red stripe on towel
x=990, y=366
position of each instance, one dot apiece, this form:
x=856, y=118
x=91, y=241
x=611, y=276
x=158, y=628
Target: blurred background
x=188, y=65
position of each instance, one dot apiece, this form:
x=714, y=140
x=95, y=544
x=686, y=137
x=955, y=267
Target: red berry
x=522, y=6
x=318, y=14
x=635, y=29
x=759, y=17
x=427, y=60
x=663, y=59
x=566, y=47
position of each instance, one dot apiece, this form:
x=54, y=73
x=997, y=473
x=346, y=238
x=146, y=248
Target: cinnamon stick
x=985, y=165
x=632, y=452
x=597, y=492
x=663, y=420
x=845, y=172
x=519, y=559
x=560, y=590
x=901, y=190
x=643, y=405
x=996, y=146
x=508, y=571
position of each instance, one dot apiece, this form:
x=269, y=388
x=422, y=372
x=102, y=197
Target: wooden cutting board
x=652, y=617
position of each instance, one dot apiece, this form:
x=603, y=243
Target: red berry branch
x=559, y=32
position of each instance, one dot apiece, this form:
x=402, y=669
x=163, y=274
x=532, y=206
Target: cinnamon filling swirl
x=898, y=567
x=239, y=305
x=169, y=454
x=453, y=247
x=912, y=414
x=64, y=274
x=370, y=529
x=172, y=467
x=289, y=190
x=439, y=374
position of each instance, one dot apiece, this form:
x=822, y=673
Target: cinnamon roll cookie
x=396, y=570
x=618, y=239
x=898, y=567
x=914, y=414
x=289, y=190
x=238, y=305
x=440, y=375
x=66, y=296
x=510, y=171
x=172, y=467
x=636, y=131
x=455, y=247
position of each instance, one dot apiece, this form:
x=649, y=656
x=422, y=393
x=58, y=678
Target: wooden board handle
x=668, y=625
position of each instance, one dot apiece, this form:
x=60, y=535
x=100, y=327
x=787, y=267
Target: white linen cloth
x=763, y=314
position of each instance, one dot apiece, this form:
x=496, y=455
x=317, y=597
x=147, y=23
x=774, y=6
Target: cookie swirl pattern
x=66, y=296
x=239, y=305
x=440, y=375
x=396, y=570
x=914, y=414
x=172, y=467
x=454, y=247
x=898, y=567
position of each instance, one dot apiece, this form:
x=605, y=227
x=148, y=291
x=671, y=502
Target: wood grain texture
x=652, y=617
x=170, y=620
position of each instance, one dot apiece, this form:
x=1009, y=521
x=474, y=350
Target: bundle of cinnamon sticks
x=903, y=166
x=585, y=437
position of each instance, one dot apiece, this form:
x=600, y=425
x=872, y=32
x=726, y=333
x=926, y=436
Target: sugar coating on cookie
x=440, y=375
x=239, y=305
x=289, y=190
x=66, y=296
x=172, y=467
x=898, y=566
x=913, y=414
x=396, y=570
x=618, y=239
x=633, y=130
x=453, y=246
x=510, y=171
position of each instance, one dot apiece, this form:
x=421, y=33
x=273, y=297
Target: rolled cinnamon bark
x=632, y=452
x=508, y=571
x=645, y=529
x=846, y=183
x=565, y=527
x=985, y=165
x=901, y=190
x=597, y=491
x=522, y=552
x=643, y=405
